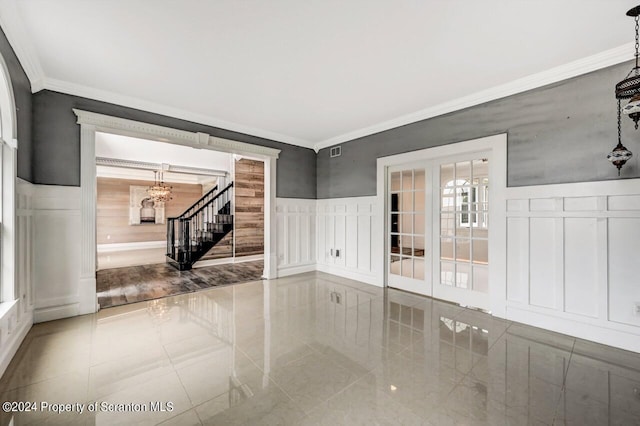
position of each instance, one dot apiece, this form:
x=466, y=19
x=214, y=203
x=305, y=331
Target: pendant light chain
x=637, y=18
x=619, y=124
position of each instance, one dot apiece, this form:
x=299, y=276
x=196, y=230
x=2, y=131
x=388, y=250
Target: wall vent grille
x=336, y=151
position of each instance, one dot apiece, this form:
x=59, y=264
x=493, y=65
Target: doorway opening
x=260, y=160
x=133, y=224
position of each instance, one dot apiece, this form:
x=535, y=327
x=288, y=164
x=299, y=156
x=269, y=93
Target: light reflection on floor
x=317, y=349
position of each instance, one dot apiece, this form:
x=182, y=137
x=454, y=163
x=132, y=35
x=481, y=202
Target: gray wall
x=22, y=95
x=560, y=133
x=57, y=143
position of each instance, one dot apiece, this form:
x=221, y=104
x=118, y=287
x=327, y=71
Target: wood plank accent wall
x=113, y=211
x=249, y=219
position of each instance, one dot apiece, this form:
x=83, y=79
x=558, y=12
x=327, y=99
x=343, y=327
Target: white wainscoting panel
x=345, y=243
x=542, y=262
x=624, y=274
x=16, y=317
x=333, y=236
x=572, y=254
x=296, y=235
x=57, y=245
x=581, y=266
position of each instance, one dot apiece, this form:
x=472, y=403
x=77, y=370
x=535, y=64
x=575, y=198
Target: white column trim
x=270, y=232
x=87, y=297
x=91, y=122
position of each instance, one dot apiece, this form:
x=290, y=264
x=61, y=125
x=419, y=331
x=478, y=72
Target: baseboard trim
x=13, y=346
x=605, y=336
x=346, y=273
x=56, y=312
x=141, y=245
x=227, y=260
x=298, y=269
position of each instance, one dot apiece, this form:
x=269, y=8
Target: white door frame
x=497, y=145
x=91, y=122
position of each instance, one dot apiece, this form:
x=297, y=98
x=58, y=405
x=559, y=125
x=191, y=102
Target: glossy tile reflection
x=317, y=349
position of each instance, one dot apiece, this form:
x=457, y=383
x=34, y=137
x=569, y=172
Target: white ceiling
x=312, y=72
x=134, y=149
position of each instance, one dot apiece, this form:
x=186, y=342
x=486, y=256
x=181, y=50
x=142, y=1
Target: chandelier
x=160, y=191
x=629, y=88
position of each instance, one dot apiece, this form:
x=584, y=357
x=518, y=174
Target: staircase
x=192, y=234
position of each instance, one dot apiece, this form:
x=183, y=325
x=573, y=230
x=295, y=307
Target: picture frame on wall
x=143, y=210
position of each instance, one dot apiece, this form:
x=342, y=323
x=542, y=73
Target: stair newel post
x=186, y=239
x=170, y=237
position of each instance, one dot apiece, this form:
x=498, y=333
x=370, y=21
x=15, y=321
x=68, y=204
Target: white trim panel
x=57, y=248
x=296, y=235
x=16, y=317
x=346, y=245
x=571, y=255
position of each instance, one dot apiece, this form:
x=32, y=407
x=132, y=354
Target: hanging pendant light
x=159, y=191
x=620, y=155
x=629, y=88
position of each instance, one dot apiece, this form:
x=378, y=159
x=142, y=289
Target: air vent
x=336, y=151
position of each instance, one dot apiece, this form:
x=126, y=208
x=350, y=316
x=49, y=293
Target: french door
x=437, y=226
x=407, y=236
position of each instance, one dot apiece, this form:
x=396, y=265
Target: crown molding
x=563, y=72
x=136, y=103
x=154, y=167
x=114, y=172
x=13, y=27
x=123, y=126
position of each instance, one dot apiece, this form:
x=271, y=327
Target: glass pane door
x=406, y=224
x=463, y=241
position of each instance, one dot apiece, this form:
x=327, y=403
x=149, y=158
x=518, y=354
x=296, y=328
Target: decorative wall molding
x=123, y=126
x=296, y=229
x=16, y=32
x=346, y=240
x=148, y=175
x=169, y=111
x=12, y=332
x=563, y=72
x=308, y=231
x=22, y=44
x=58, y=243
x=141, y=165
x=571, y=251
x=16, y=317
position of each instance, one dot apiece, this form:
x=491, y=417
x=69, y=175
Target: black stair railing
x=202, y=201
x=192, y=234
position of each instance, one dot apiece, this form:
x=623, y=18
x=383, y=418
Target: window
x=8, y=291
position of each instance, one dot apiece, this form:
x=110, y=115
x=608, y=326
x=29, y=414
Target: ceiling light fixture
x=629, y=88
x=159, y=191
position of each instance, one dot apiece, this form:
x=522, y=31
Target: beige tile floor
x=316, y=349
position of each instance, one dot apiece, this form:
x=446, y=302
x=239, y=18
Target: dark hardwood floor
x=132, y=284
